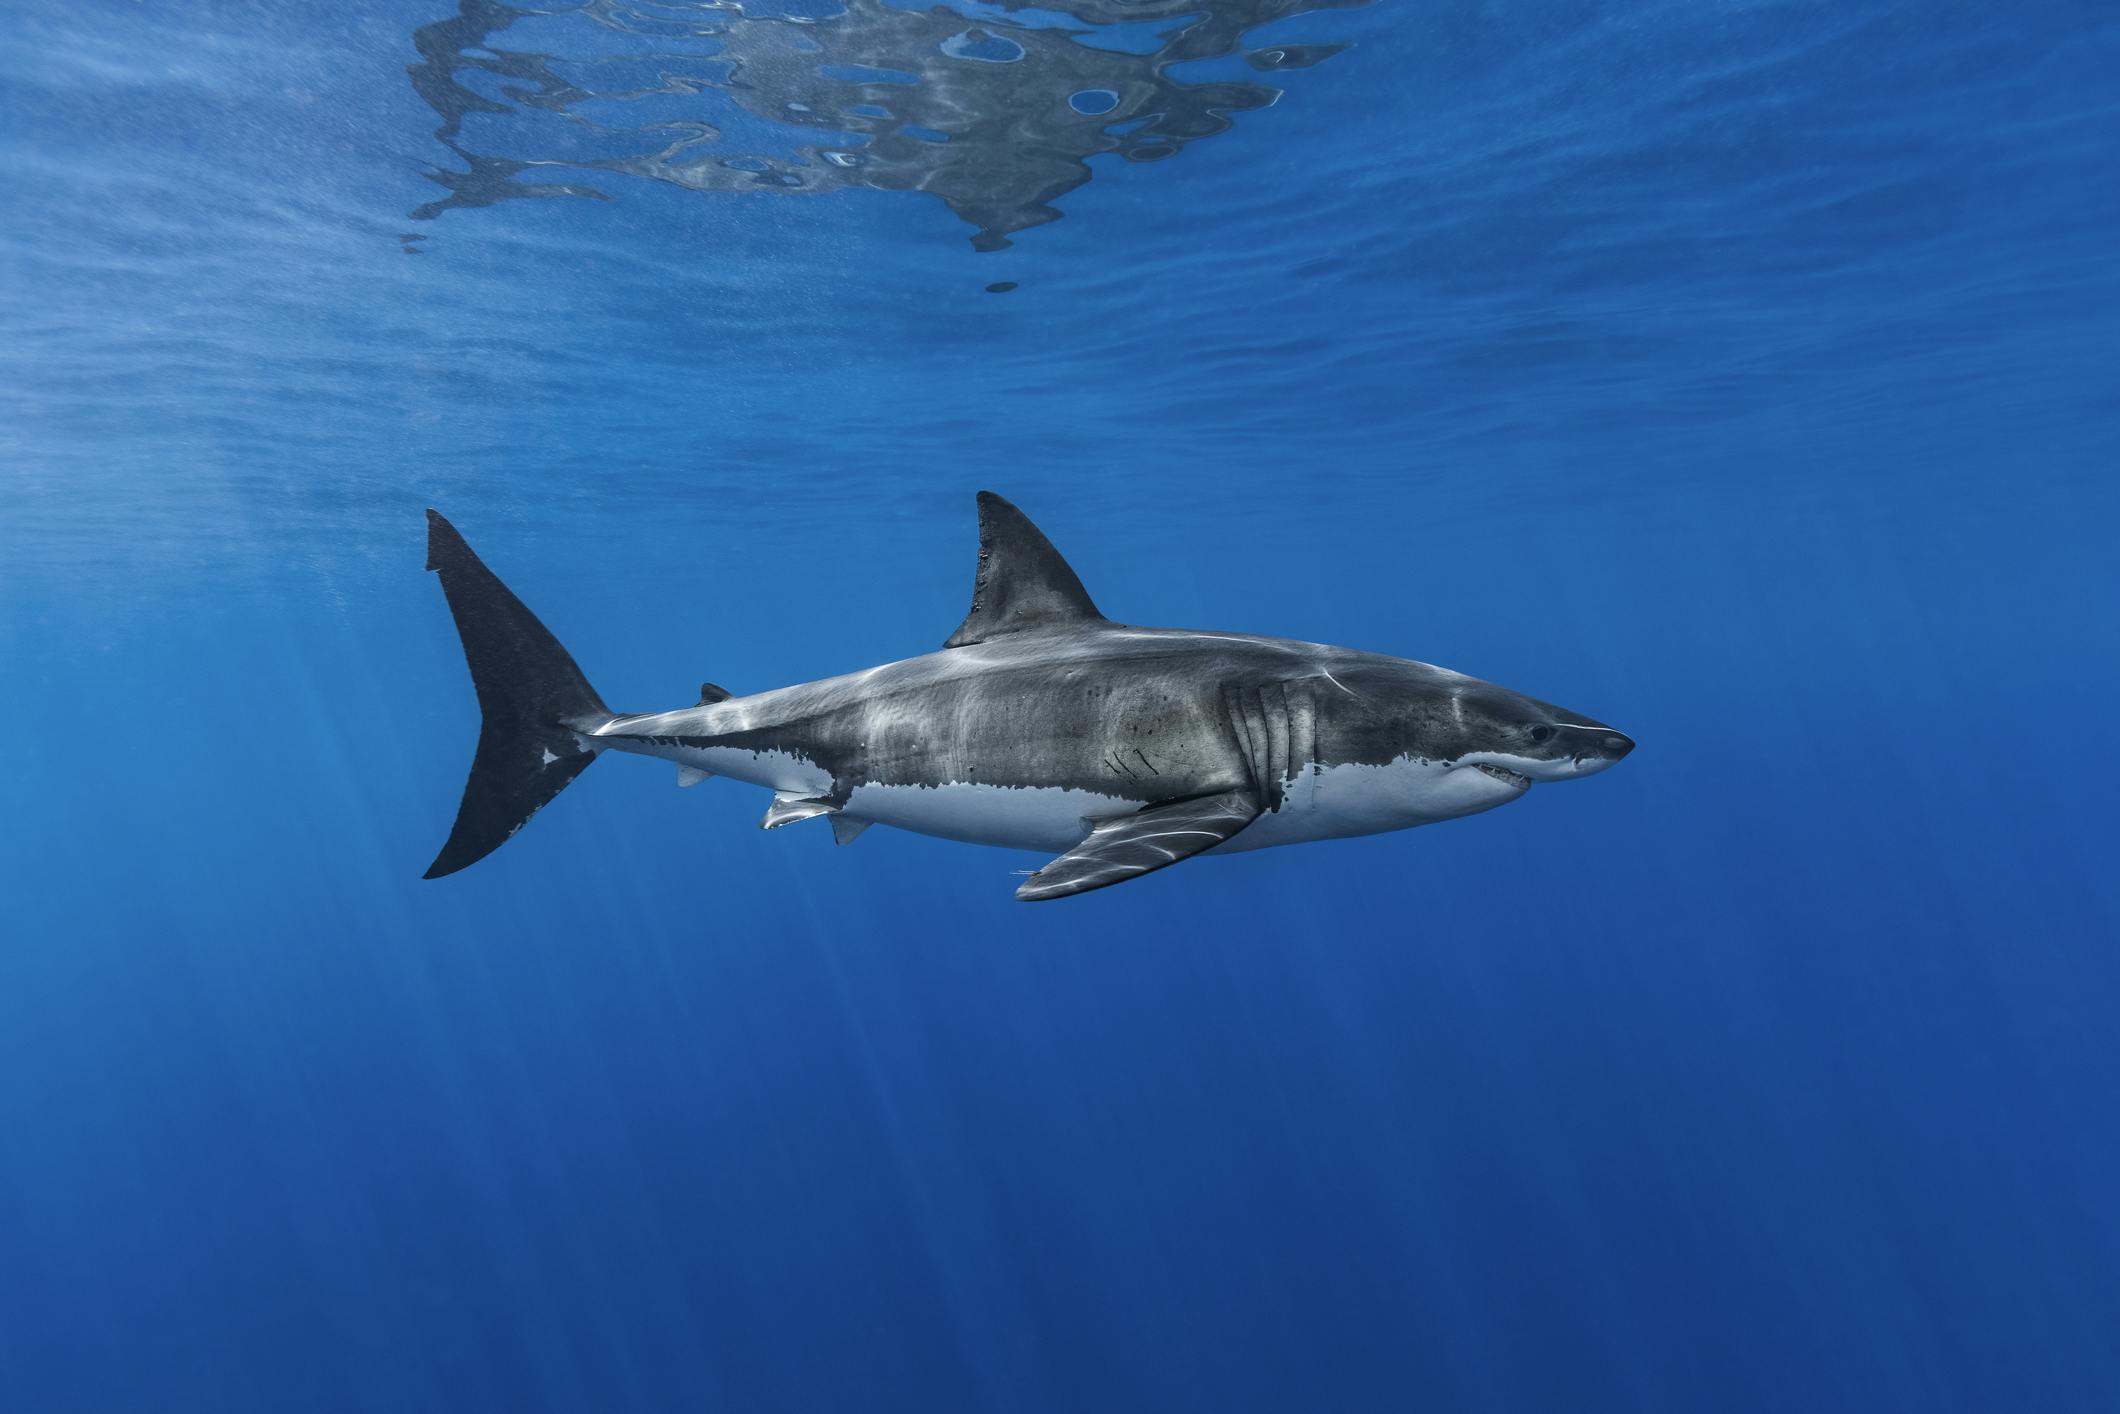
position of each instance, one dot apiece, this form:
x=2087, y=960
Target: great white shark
x=1039, y=725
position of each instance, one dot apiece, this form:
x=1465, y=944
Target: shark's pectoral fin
x=846, y=829
x=1118, y=850
x=691, y=775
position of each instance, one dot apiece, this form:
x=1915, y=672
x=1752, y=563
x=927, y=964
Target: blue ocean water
x=1742, y=374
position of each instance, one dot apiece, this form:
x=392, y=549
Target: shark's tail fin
x=537, y=705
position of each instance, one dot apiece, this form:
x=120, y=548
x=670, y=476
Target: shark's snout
x=1595, y=748
x=1551, y=751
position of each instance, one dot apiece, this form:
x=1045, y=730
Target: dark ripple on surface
x=994, y=117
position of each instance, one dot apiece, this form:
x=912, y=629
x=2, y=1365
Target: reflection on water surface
x=995, y=109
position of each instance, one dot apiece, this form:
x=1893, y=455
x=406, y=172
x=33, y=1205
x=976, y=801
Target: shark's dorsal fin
x=1023, y=583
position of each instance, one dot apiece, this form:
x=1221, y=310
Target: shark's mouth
x=1503, y=774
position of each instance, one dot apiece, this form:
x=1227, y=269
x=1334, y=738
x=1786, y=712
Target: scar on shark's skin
x=1260, y=741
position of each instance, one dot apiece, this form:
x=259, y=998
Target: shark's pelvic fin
x=1127, y=848
x=787, y=809
x=1022, y=583
x=691, y=776
x=711, y=693
x=846, y=829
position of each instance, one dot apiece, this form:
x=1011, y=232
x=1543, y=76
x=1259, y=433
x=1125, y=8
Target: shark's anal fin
x=846, y=829
x=1022, y=583
x=711, y=693
x=787, y=809
x=691, y=775
x=1123, y=849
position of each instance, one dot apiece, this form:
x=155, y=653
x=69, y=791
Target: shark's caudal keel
x=1039, y=725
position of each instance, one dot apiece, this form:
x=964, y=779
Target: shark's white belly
x=1048, y=818
x=1324, y=802
x=1335, y=802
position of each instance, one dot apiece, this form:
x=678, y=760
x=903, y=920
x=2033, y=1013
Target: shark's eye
x=1541, y=733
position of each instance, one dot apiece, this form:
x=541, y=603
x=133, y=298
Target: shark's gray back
x=1139, y=713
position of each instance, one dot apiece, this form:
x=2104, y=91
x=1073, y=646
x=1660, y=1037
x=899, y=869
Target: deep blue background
x=1741, y=374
